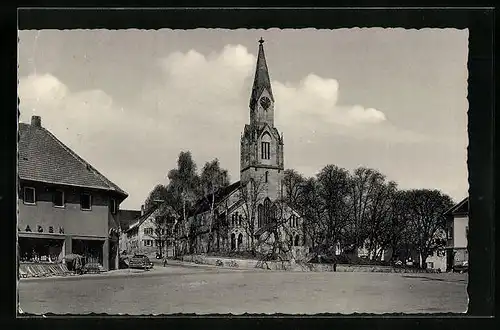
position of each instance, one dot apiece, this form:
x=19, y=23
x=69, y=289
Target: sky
x=129, y=101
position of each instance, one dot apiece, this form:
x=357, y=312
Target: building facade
x=457, y=232
x=249, y=214
x=65, y=205
x=151, y=233
x=127, y=218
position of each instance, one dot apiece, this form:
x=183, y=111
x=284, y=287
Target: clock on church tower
x=265, y=102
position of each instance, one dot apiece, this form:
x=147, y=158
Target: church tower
x=261, y=143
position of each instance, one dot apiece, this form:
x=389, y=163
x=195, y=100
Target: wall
x=460, y=255
x=135, y=239
x=438, y=260
x=148, y=223
x=71, y=218
x=459, y=231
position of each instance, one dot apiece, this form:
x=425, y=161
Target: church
x=249, y=215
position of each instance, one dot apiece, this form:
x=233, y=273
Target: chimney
x=36, y=121
x=142, y=210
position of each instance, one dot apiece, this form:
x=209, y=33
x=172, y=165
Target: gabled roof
x=461, y=208
x=203, y=204
x=158, y=209
x=43, y=158
x=127, y=217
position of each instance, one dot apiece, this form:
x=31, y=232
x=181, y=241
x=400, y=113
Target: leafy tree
x=310, y=207
x=427, y=220
x=159, y=192
x=212, y=179
x=183, y=186
x=333, y=189
x=397, y=234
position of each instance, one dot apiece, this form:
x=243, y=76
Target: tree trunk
x=210, y=238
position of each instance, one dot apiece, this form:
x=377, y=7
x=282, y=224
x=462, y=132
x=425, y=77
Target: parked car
x=461, y=268
x=140, y=261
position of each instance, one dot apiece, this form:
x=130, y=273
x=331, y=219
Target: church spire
x=261, y=80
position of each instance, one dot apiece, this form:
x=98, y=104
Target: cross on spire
x=261, y=41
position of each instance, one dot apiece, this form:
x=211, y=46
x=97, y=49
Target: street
x=203, y=290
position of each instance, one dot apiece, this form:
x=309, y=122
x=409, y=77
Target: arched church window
x=240, y=241
x=267, y=176
x=274, y=213
x=267, y=209
x=260, y=215
x=240, y=220
x=266, y=150
x=233, y=241
x=296, y=240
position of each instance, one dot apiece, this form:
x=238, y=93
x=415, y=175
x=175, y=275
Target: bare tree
x=274, y=237
x=292, y=184
x=378, y=224
x=251, y=195
x=363, y=185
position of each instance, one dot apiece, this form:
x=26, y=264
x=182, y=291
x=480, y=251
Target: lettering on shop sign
x=61, y=230
x=28, y=228
x=51, y=229
x=40, y=229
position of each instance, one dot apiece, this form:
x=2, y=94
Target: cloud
x=199, y=104
x=314, y=99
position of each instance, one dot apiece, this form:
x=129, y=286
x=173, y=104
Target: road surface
x=204, y=290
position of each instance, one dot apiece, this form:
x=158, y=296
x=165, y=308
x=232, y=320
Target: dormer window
x=29, y=196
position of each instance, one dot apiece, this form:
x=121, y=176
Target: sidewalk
x=111, y=273
x=173, y=267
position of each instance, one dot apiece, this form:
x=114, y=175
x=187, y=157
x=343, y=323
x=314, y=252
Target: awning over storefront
x=41, y=235
x=88, y=238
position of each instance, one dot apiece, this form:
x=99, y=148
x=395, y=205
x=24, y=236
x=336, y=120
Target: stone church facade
x=249, y=214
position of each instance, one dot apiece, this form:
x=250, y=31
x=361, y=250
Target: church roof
x=261, y=80
x=203, y=204
x=43, y=158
